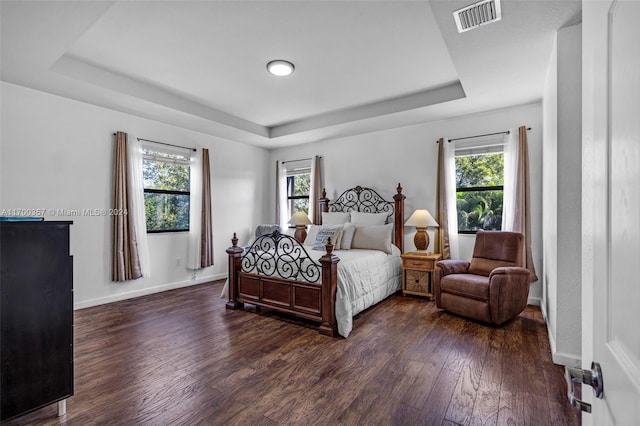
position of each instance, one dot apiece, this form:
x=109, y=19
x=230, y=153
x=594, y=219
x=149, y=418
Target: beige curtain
x=316, y=190
x=206, y=238
x=441, y=244
x=125, y=260
x=522, y=216
x=278, y=189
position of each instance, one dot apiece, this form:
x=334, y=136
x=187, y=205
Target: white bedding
x=365, y=277
x=371, y=275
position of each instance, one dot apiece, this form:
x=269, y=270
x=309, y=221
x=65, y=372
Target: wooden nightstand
x=416, y=273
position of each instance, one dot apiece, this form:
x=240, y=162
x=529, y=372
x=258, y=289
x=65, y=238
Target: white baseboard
x=146, y=291
x=570, y=360
x=559, y=358
x=535, y=301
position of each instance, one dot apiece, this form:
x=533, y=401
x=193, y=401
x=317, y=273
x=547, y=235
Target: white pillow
x=373, y=237
x=312, y=232
x=335, y=218
x=361, y=218
x=347, y=236
x=323, y=235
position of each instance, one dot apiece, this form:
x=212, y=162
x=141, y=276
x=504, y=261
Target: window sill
x=168, y=232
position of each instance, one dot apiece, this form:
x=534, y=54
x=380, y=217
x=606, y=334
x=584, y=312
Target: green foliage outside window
x=166, y=191
x=479, y=184
x=301, y=206
x=298, y=189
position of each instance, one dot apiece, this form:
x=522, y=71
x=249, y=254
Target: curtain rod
x=506, y=132
x=301, y=159
x=164, y=143
x=167, y=144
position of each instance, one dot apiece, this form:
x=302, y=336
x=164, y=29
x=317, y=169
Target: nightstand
x=417, y=268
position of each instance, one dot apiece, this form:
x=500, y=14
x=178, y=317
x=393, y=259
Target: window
x=166, y=190
x=479, y=188
x=298, y=186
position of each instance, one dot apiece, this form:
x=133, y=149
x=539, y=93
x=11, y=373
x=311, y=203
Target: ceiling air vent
x=481, y=13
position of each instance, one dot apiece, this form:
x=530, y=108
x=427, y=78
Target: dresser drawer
x=425, y=264
x=416, y=281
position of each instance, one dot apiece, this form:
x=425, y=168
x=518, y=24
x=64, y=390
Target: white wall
x=408, y=155
x=562, y=156
x=548, y=303
x=57, y=154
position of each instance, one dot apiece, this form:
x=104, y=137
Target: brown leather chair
x=493, y=287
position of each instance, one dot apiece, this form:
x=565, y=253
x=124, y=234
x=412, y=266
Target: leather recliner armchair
x=493, y=287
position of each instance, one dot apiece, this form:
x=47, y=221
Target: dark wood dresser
x=36, y=317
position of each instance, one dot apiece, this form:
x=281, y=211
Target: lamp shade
x=300, y=218
x=421, y=219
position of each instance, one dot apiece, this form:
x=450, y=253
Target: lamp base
x=421, y=239
x=301, y=233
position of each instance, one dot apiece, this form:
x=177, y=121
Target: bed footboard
x=261, y=282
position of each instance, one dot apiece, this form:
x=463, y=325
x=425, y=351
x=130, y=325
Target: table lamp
x=300, y=220
x=421, y=219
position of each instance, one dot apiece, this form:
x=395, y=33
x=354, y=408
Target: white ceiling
x=361, y=66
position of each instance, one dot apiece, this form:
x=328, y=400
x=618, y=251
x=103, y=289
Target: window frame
x=294, y=169
x=291, y=189
x=477, y=150
x=187, y=163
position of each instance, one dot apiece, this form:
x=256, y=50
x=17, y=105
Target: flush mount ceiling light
x=280, y=67
x=480, y=13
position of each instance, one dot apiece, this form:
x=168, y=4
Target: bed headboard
x=367, y=200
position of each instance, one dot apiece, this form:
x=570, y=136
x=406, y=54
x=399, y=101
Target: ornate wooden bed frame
x=301, y=296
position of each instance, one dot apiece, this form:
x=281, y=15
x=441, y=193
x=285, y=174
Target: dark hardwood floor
x=180, y=358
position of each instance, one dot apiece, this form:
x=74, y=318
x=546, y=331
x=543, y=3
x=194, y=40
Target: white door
x=611, y=207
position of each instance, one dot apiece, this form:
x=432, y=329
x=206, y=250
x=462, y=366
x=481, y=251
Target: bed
x=339, y=271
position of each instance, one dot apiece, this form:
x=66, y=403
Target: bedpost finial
x=399, y=188
x=329, y=246
x=234, y=240
x=324, y=193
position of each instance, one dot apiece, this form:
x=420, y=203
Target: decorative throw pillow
x=335, y=218
x=347, y=236
x=312, y=231
x=266, y=229
x=323, y=235
x=368, y=218
x=373, y=237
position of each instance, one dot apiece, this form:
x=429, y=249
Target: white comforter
x=365, y=277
